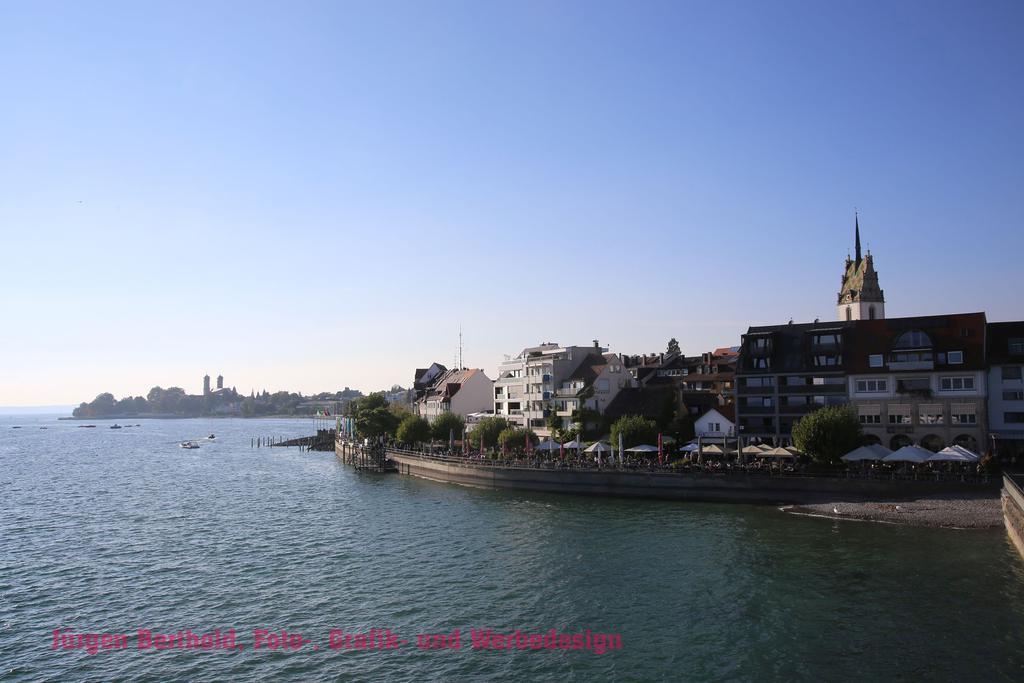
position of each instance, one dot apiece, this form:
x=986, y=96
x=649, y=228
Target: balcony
x=756, y=410
x=900, y=365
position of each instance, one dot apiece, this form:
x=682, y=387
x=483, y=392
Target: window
x=931, y=415
x=1011, y=372
x=1013, y=395
x=823, y=361
x=796, y=381
x=826, y=339
x=828, y=381
x=865, y=386
x=914, y=339
x=759, y=382
x=869, y=415
x=602, y=385
x=956, y=383
x=796, y=400
x=875, y=360
x=899, y=415
x=1013, y=418
x=963, y=414
x=762, y=363
x=1016, y=346
x=913, y=384
x=955, y=357
x=761, y=343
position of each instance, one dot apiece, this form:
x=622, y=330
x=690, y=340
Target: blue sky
x=312, y=195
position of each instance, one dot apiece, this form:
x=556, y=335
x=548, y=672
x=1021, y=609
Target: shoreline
x=944, y=511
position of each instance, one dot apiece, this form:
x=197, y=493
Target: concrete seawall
x=1013, y=510
x=738, y=488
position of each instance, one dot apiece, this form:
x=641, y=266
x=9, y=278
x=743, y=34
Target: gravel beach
x=950, y=511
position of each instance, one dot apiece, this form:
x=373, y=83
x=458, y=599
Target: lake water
x=111, y=531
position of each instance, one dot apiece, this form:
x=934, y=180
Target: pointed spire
x=856, y=223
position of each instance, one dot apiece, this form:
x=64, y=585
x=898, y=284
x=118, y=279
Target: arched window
x=849, y=314
x=913, y=339
x=933, y=442
x=899, y=441
x=871, y=312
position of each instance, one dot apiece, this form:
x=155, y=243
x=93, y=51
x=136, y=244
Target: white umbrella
x=862, y=453
x=642, y=448
x=778, y=453
x=689, y=448
x=713, y=450
x=574, y=444
x=966, y=451
x=910, y=453
x=751, y=450
x=952, y=454
x=879, y=448
x=598, y=447
x=548, y=446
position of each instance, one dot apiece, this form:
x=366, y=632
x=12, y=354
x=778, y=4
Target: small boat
x=115, y=426
x=211, y=437
x=188, y=444
x=15, y=427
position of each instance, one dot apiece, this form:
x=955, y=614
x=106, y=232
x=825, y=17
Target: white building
x=594, y=384
x=461, y=392
x=524, y=392
x=716, y=423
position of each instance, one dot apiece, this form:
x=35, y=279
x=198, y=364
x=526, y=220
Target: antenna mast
x=460, y=347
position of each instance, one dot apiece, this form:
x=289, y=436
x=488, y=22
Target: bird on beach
x=835, y=510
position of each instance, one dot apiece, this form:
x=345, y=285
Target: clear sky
x=307, y=196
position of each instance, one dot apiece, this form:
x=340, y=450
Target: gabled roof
x=588, y=370
x=726, y=411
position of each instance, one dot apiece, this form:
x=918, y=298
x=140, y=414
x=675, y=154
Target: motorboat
x=211, y=437
x=188, y=444
x=115, y=426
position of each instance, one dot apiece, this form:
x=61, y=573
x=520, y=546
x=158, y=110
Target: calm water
x=111, y=531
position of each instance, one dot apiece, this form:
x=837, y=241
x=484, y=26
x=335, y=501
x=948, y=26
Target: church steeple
x=860, y=297
x=856, y=229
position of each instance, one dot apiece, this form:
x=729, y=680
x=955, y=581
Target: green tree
x=446, y=425
x=489, y=428
x=514, y=438
x=373, y=417
x=673, y=346
x=681, y=427
x=828, y=433
x=413, y=429
x=635, y=430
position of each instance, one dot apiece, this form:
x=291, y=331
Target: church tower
x=860, y=297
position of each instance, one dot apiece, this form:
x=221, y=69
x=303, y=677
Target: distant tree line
x=175, y=402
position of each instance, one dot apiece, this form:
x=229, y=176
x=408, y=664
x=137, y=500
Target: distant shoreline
x=191, y=417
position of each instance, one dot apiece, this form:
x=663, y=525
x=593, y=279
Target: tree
x=373, y=417
x=681, y=427
x=489, y=428
x=673, y=346
x=828, y=433
x=514, y=438
x=413, y=429
x=446, y=425
x=635, y=430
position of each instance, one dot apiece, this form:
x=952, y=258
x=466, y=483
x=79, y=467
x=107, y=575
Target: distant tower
x=206, y=385
x=860, y=297
x=220, y=381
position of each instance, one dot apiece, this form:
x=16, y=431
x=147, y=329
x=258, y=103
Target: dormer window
x=913, y=339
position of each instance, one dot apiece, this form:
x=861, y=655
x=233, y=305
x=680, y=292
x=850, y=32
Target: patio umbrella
x=574, y=444
x=764, y=447
x=911, y=453
x=794, y=451
x=598, y=447
x=879, y=448
x=952, y=454
x=549, y=446
x=862, y=453
x=713, y=449
x=751, y=450
x=778, y=453
x=689, y=448
x=966, y=451
x=642, y=448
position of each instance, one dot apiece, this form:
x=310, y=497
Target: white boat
x=188, y=444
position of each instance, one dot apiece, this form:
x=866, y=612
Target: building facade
x=1005, y=352
x=920, y=380
x=461, y=392
x=787, y=371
